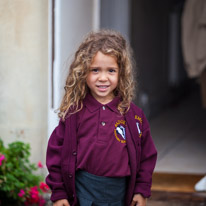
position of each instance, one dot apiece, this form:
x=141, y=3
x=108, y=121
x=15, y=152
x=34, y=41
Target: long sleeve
x=53, y=162
x=148, y=159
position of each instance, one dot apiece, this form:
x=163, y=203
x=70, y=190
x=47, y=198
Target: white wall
x=73, y=20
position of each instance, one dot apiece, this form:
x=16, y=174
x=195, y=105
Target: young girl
x=101, y=153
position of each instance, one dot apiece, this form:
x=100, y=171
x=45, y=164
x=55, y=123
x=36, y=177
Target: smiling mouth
x=102, y=86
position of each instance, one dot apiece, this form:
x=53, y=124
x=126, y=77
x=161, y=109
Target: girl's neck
x=104, y=100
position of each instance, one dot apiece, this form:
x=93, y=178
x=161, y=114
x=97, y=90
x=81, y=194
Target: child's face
x=103, y=77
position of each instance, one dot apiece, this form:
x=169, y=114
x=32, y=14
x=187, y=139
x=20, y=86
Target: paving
x=162, y=198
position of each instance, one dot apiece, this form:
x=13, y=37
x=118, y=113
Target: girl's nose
x=102, y=76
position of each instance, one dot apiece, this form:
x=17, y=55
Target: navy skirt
x=94, y=190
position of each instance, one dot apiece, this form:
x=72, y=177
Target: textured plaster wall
x=24, y=73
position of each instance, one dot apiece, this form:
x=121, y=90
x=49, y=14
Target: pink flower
x=21, y=193
x=44, y=187
x=34, y=197
x=40, y=165
x=42, y=202
x=34, y=194
x=2, y=157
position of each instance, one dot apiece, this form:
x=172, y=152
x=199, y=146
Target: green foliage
x=16, y=171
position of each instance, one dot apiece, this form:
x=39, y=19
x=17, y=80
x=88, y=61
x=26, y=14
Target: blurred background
x=39, y=37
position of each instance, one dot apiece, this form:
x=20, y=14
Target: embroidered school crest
x=138, y=123
x=119, y=131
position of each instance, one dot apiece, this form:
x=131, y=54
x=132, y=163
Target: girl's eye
x=95, y=70
x=112, y=70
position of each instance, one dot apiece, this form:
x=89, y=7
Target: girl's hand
x=63, y=202
x=138, y=200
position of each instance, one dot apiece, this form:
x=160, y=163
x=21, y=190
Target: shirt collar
x=92, y=104
x=113, y=104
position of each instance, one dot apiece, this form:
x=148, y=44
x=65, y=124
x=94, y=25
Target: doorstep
x=175, y=182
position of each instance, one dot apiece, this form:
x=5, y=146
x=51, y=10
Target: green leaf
x=17, y=172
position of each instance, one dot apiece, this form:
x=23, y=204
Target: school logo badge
x=119, y=131
x=138, y=123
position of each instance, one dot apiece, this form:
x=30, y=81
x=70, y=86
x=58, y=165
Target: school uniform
x=101, y=139
x=98, y=142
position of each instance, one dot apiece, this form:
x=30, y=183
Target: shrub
x=18, y=183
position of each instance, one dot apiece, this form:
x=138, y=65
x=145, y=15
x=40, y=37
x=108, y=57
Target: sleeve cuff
x=58, y=195
x=143, y=189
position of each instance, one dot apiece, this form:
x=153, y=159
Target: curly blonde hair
x=108, y=42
